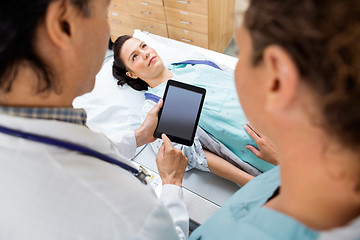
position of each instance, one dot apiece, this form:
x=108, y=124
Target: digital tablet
x=179, y=116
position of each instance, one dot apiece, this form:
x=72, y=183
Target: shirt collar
x=70, y=115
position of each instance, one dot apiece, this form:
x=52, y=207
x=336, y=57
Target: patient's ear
x=131, y=75
x=282, y=78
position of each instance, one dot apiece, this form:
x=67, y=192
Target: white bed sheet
x=109, y=106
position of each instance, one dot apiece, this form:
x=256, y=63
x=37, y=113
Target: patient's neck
x=164, y=76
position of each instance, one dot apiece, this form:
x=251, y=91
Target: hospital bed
x=109, y=107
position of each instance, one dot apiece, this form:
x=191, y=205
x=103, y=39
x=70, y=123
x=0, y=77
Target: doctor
x=50, y=52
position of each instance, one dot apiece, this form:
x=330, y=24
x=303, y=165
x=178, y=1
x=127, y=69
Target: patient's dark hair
x=119, y=68
x=19, y=20
x=323, y=38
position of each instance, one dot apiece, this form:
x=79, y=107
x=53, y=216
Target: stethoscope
x=140, y=174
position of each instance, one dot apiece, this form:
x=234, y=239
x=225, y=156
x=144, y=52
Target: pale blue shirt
x=244, y=216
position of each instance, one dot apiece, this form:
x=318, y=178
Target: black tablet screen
x=179, y=113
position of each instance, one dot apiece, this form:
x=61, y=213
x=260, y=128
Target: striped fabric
x=71, y=115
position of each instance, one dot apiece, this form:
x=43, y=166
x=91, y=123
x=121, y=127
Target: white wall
x=240, y=7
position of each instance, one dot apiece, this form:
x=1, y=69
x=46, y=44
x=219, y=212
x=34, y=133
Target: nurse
x=50, y=52
x=298, y=80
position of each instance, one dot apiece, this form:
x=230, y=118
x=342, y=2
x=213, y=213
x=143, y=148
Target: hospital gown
x=221, y=117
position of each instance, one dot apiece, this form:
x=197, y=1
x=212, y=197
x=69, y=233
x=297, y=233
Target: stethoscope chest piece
x=142, y=175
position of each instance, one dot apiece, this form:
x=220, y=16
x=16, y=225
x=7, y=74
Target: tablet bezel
x=192, y=88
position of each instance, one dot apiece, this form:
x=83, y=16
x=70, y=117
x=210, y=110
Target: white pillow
x=172, y=51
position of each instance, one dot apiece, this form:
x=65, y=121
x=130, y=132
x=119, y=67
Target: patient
x=221, y=121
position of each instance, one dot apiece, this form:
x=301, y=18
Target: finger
x=157, y=107
x=251, y=132
x=161, y=150
x=253, y=150
x=253, y=129
x=160, y=103
x=167, y=142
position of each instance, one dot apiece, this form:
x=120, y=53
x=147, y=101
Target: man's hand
x=267, y=151
x=145, y=133
x=171, y=163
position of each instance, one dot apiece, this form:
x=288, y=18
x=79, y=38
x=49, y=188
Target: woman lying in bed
x=221, y=121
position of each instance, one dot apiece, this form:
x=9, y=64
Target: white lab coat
x=47, y=192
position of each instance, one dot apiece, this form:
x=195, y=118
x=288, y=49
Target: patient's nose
x=146, y=55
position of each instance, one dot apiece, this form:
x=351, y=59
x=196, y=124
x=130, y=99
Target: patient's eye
x=134, y=57
x=144, y=46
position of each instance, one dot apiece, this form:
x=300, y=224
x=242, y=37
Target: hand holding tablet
x=179, y=116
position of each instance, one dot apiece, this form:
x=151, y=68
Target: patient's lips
x=152, y=60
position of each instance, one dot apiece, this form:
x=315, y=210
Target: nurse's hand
x=145, y=133
x=267, y=151
x=171, y=163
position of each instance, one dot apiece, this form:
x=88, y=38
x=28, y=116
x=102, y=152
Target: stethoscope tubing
x=67, y=145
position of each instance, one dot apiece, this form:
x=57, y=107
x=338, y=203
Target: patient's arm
x=224, y=169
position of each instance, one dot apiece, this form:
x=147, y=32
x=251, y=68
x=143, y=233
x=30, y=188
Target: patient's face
x=249, y=80
x=142, y=60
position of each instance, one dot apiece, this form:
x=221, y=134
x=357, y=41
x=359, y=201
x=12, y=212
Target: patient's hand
x=145, y=133
x=171, y=163
x=267, y=151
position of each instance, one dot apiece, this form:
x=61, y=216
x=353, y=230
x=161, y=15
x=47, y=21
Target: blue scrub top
x=243, y=216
